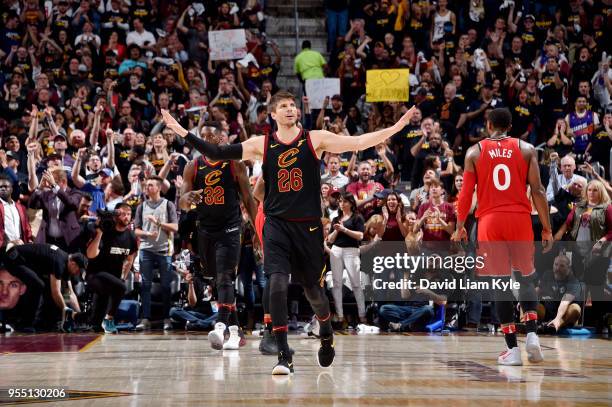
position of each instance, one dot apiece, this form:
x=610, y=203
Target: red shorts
x=505, y=240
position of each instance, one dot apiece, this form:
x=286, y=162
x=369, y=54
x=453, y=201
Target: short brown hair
x=435, y=181
x=155, y=178
x=116, y=185
x=278, y=96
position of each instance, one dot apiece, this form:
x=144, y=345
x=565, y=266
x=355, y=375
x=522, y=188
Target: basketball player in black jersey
x=216, y=187
x=293, y=235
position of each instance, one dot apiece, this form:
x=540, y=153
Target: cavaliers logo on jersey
x=288, y=158
x=212, y=178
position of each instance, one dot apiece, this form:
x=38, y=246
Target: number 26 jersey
x=292, y=178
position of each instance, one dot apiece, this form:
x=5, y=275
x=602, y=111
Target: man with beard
x=333, y=175
x=111, y=254
x=364, y=189
x=14, y=224
x=214, y=187
x=561, y=296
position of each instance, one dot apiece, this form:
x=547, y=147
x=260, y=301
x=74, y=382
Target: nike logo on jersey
x=273, y=145
x=313, y=229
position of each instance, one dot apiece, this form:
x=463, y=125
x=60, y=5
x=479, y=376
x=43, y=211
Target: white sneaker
x=144, y=325
x=534, y=351
x=233, y=343
x=395, y=326
x=369, y=329
x=511, y=357
x=216, y=337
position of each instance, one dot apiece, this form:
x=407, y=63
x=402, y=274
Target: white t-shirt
x=134, y=37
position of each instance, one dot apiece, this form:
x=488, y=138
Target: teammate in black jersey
x=293, y=235
x=216, y=187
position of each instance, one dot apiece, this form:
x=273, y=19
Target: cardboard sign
x=387, y=85
x=227, y=44
x=318, y=89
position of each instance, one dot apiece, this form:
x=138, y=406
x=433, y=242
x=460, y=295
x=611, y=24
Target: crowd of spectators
x=547, y=63
x=84, y=82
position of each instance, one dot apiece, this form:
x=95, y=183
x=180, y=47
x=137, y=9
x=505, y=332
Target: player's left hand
x=459, y=235
x=547, y=241
x=172, y=124
x=405, y=119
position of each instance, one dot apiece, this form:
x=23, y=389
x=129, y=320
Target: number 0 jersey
x=501, y=174
x=292, y=178
x=220, y=206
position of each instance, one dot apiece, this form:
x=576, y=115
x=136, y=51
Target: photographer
x=198, y=315
x=111, y=253
x=52, y=266
x=561, y=296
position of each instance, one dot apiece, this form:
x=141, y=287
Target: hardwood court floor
x=371, y=370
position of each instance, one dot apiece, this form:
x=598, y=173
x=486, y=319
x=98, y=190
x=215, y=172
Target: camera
x=106, y=220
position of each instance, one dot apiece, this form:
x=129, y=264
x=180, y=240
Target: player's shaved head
x=500, y=119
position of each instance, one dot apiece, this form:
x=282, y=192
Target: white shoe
x=216, y=337
x=167, y=324
x=369, y=329
x=395, y=326
x=233, y=343
x=144, y=325
x=511, y=357
x=534, y=351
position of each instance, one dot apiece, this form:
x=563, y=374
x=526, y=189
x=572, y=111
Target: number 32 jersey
x=501, y=174
x=220, y=206
x=292, y=178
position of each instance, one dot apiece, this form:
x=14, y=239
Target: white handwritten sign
x=318, y=89
x=227, y=44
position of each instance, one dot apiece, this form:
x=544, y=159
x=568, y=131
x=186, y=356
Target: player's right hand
x=195, y=197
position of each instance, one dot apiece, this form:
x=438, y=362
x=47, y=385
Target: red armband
x=465, y=196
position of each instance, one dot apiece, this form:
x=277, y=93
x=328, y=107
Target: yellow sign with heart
x=387, y=85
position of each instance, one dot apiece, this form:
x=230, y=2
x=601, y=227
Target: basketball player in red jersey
x=293, y=234
x=501, y=167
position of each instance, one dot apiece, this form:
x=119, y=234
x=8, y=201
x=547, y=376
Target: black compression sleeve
x=213, y=151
